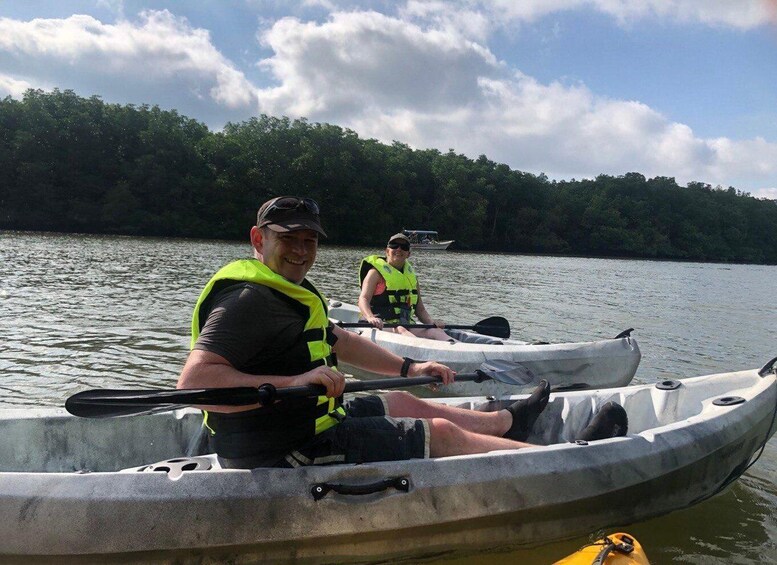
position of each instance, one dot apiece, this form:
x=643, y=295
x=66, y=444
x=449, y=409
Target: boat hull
x=681, y=449
x=597, y=364
x=434, y=246
x=567, y=366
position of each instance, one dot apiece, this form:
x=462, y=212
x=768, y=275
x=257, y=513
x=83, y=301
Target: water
x=81, y=312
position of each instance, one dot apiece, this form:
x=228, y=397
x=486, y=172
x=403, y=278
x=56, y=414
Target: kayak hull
x=82, y=488
x=567, y=366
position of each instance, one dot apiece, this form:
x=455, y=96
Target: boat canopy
x=419, y=232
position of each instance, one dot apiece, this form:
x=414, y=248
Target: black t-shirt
x=253, y=327
x=259, y=331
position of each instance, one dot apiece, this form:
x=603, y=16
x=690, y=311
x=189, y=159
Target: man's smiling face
x=289, y=254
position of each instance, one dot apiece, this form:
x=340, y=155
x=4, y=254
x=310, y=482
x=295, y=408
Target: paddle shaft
x=495, y=326
x=106, y=403
x=419, y=326
x=360, y=386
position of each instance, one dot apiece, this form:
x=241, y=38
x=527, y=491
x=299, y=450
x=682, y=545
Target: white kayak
x=90, y=488
x=567, y=366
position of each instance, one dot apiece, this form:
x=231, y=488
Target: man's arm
x=363, y=353
x=242, y=319
x=204, y=369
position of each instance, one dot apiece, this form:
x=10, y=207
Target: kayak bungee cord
x=625, y=546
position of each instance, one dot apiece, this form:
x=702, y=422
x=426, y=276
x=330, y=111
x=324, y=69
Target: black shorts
x=365, y=435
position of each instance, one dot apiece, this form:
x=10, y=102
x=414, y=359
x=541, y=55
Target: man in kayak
x=261, y=321
x=390, y=293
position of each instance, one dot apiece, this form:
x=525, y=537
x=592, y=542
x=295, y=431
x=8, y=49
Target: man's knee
x=445, y=431
x=445, y=437
x=400, y=398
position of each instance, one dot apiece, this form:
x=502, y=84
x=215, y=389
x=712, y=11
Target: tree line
x=74, y=164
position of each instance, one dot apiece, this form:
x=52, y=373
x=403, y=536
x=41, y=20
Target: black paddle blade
x=107, y=403
x=97, y=411
x=495, y=326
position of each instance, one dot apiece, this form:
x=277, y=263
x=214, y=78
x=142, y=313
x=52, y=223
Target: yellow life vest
x=397, y=304
x=329, y=412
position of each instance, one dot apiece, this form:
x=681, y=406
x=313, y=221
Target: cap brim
x=296, y=225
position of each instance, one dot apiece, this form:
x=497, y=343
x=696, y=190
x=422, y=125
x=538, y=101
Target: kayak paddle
x=107, y=403
x=495, y=326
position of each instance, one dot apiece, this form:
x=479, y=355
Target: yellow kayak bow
x=615, y=549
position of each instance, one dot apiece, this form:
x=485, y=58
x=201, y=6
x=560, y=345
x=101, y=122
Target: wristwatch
x=405, y=366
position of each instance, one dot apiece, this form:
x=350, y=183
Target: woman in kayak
x=390, y=293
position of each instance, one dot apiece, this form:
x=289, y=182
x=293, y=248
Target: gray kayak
x=568, y=366
x=145, y=488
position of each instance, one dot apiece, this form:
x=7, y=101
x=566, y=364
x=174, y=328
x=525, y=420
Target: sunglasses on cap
x=286, y=203
x=402, y=246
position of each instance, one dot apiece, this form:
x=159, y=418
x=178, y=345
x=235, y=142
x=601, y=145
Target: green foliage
x=77, y=164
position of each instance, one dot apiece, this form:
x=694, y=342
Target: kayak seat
x=177, y=466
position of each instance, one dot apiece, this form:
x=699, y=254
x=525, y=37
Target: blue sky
x=569, y=88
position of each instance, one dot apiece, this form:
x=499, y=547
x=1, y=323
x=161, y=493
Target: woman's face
x=397, y=253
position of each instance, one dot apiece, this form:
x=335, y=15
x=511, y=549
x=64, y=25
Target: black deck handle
x=624, y=333
x=320, y=490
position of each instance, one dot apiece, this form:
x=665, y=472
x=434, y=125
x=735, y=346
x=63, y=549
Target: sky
x=569, y=88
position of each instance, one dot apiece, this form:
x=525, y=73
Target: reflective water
x=82, y=312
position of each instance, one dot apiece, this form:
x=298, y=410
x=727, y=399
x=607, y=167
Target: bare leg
x=428, y=333
x=404, y=405
x=449, y=439
x=432, y=333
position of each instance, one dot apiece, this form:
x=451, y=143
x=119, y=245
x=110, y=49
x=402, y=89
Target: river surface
x=80, y=312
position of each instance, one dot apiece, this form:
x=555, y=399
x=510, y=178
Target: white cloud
x=770, y=193
x=473, y=23
x=9, y=86
x=359, y=62
x=741, y=14
x=159, y=53
x=430, y=87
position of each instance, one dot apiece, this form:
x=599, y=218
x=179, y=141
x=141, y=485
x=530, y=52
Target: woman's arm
x=368, y=291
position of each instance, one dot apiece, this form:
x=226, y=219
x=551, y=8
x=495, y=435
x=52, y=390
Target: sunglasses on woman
x=402, y=246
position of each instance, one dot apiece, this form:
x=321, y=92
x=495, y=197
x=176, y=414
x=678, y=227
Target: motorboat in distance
x=426, y=239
